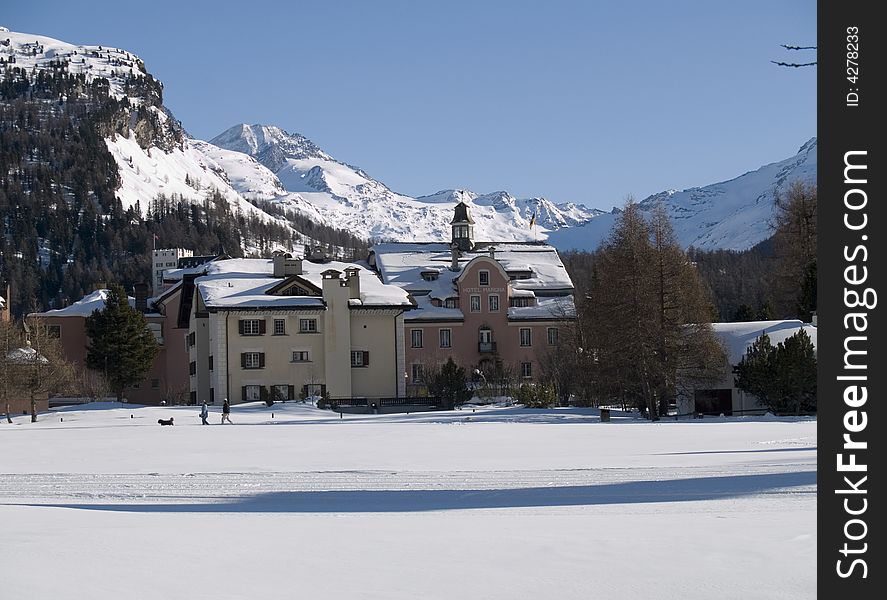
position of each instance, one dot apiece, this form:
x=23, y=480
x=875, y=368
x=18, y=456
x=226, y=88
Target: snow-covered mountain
x=37, y=52
x=344, y=196
x=734, y=214
x=252, y=165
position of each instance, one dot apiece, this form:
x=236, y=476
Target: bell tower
x=463, y=227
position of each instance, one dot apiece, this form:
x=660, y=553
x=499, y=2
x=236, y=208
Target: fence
x=386, y=404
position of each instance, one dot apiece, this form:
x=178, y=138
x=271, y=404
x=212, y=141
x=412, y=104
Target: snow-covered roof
x=402, y=264
x=245, y=282
x=83, y=307
x=425, y=311
x=556, y=307
x=737, y=337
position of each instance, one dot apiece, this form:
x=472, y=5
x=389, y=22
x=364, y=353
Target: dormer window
x=521, y=301
x=514, y=275
x=430, y=275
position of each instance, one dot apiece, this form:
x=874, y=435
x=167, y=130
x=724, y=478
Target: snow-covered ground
x=99, y=501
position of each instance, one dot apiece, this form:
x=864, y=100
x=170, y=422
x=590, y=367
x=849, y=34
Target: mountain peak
x=257, y=139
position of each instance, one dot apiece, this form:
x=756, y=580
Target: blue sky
x=577, y=101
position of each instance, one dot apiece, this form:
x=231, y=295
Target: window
x=314, y=389
x=430, y=275
x=415, y=338
x=192, y=338
x=418, y=373
x=53, y=331
x=360, y=358
x=300, y=356
x=252, y=360
x=279, y=326
x=526, y=336
x=483, y=277
x=446, y=338
x=252, y=393
x=552, y=336
x=475, y=304
x=526, y=370
x=155, y=384
x=307, y=325
x=252, y=327
x=210, y=362
x=494, y=302
x=451, y=303
x=281, y=392
x=521, y=301
x=192, y=368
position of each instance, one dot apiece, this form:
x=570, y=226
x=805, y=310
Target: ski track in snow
x=147, y=488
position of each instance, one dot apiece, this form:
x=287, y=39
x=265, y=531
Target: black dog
x=166, y=421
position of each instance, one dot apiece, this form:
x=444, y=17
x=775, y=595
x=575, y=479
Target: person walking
x=226, y=412
x=204, y=413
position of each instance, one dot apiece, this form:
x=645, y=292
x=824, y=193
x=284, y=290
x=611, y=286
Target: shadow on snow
x=363, y=501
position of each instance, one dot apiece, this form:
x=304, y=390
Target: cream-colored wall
x=279, y=368
x=337, y=338
x=375, y=331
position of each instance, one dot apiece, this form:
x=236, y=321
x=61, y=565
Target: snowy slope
x=345, y=196
x=30, y=52
x=146, y=173
x=734, y=214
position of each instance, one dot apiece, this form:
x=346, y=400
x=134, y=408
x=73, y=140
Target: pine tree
x=783, y=378
x=744, y=313
x=648, y=315
x=120, y=344
x=448, y=383
x=795, y=246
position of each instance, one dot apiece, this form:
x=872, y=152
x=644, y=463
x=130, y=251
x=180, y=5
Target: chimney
x=813, y=320
x=140, y=291
x=352, y=278
x=454, y=249
x=493, y=252
x=285, y=265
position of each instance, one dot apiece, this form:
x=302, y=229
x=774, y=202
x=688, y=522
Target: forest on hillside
x=64, y=230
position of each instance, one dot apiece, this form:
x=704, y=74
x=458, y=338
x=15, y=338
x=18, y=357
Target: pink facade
x=486, y=333
x=168, y=379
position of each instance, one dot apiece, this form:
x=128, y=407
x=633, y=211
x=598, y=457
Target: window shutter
x=290, y=392
x=366, y=358
x=262, y=358
x=261, y=326
x=243, y=393
x=240, y=327
x=243, y=360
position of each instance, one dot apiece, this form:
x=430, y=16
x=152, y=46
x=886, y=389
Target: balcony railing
x=485, y=347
